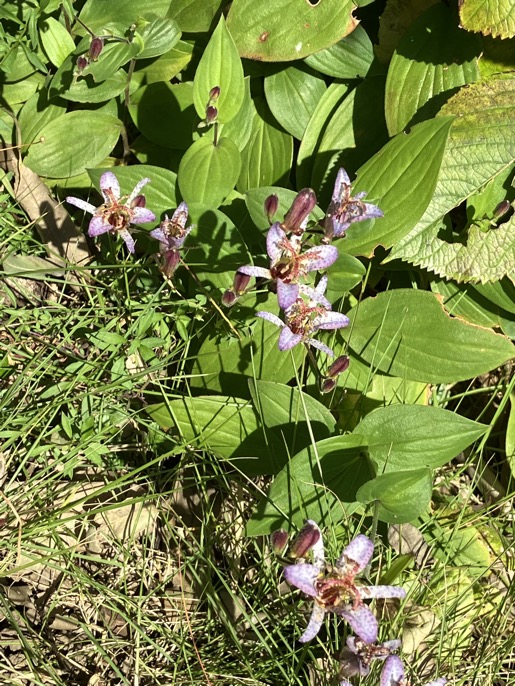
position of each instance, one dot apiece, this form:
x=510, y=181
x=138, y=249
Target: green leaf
x=220, y=66
x=495, y=18
x=208, y=172
x=401, y=496
x=194, y=16
x=57, y=42
x=239, y=129
x=72, y=142
x=460, y=548
x=403, y=437
x=510, y=436
x=36, y=113
x=292, y=95
x=261, y=31
x=408, y=334
x=159, y=37
x=343, y=275
x=116, y=17
x=225, y=425
x=15, y=93
x=153, y=107
x=112, y=57
x=267, y=158
x=350, y=58
x=433, y=57
x=166, y=66
x=400, y=179
x=320, y=483
x=397, y=17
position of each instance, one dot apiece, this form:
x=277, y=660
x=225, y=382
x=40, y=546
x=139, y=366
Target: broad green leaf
x=112, y=57
x=166, y=66
x=262, y=31
x=498, y=55
x=408, y=334
x=397, y=17
x=220, y=65
x=481, y=206
x=267, y=158
x=350, y=58
x=510, y=436
x=194, y=16
x=481, y=145
x=495, y=18
x=401, y=496
x=117, y=17
x=296, y=418
x=208, y=172
x=153, y=107
x=465, y=301
x=460, y=547
x=57, y=42
x=501, y=294
x=225, y=425
x=403, y=437
x=343, y=275
x=159, y=193
x=292, y=95
x=87, y=91
x=15, y=93
x=400, y=179
x=319, y=483
x=159, y=37
x=239, y=129
x=149, y=152
x=434, y=56
x=36, y=113
x=72, y=142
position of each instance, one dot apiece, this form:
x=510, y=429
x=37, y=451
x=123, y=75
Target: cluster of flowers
x=335, y=589
x=306, y=309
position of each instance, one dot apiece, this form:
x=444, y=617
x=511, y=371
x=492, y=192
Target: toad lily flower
x=336, y=590
x=302, y=319
x=393, y=674
x=356, y=658
x=288, y=264
x=344, y=209
x=117, y=212
x=171, y=235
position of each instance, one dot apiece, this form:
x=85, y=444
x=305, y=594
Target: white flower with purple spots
x=393, y=674
x=356, y=658
x=336, y=590
x=117, y=212
x=171, y=235
x=344, y=209
x=288, y=264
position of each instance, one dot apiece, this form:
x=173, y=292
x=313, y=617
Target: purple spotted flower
x=171, y=235
x=336, y=590
x=393, y=674
x=356, y=658
x=344, y=209
x=288, y=264
x=117, y=212
x=303, y=319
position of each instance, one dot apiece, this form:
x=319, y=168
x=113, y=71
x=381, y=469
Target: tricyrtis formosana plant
x=334, y=199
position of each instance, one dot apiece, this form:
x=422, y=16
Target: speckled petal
x=314, y=297
x=342, y=178
x=437, y=682
x=271, y=318
x=366, y=592
x=109, y=181
x=86, y=206
x=339, y=228
x=393, y=672
x=303, y=577
x=140, y=215
x=136, y=191
x=372, y=211
x=320, y=257
x=357, y=554
x=315, y=622
x=320, y=346
x=287, y=294
x=128, y=240
x=330, y=320
x=251, y=270
x=159, y=235
x=288, y=339
x=362, y=621
x=98, y=226
x=274, y=237
x=344, y=682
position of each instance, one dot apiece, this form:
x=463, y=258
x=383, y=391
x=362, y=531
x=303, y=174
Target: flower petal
x=303, y=577
x=97, y=226
x=342, y=179
x=372, y=212
x=274, y=238
x=330, y=320
x=271, y=318
x=108, y=181
x=86, y=206
x=362, y=621
x=339, y=228
x=288, y=339
x=313, y=627
x=136, y=191
x=250, y=270
x=393, y=672
x=320, y=257
x=140, y=215
x=437, y=682
x=366, y=592
x=320, y=346
x=128, y=240
x=315, y=296
x=159, y=235
x=287, y=294
x=357, y=554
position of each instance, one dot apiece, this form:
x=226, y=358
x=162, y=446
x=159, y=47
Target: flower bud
x=300, y=210
x=171, y=262
x=95, y=48
x=327, y=385
x=501, y=209
x=229, y=298
x=305, y=540
x=211, y=114
x=214, y=93
x=279, y=539
x=139, y=201
x=271, y=206
x=340, y=365
x=82, y=63
x=240, y=283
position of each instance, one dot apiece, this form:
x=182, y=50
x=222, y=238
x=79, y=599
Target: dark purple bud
x=340, y=365
x=95, y=48
x=502, y=208
x=305, y=540
x=139, y=201
x=82, y=63
x=211, y=114
x=229, y=298
x=214, y=93
x=271, y=206
x=240, y=283
x=279, y=540
x=327, y=385
x=171, y=262
x=301, y=207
